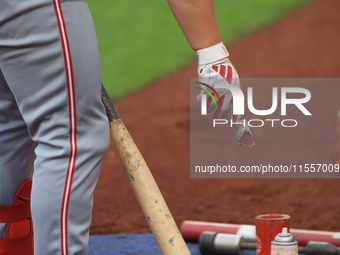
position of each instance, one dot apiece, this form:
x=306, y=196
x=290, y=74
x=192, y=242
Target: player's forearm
x=197, y=21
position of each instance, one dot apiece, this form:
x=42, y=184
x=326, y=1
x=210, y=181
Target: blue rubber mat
x=133, y=244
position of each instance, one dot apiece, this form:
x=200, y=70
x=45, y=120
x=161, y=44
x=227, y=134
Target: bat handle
x=111, y=110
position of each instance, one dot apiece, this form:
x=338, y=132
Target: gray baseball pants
x=53, y=126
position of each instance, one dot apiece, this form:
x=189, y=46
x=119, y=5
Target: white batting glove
x=214, y=67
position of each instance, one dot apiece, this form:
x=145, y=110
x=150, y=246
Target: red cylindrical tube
x=304, y=236
x=267, y=227
x=191, y=231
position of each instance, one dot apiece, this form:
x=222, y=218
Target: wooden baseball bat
x=150, y=199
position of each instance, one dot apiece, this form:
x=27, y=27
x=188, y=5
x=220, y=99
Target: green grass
x=140, y=40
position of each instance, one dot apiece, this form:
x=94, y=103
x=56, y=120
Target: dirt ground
x=305, y=43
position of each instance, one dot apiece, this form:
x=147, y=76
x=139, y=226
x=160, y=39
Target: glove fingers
x=218, y=114
x=223, y=107
x=210, y=105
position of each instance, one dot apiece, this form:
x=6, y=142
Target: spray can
x=284, y=244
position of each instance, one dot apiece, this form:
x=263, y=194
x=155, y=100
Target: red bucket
x=267, y=228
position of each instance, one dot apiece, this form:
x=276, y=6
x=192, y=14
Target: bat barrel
x=149, y=197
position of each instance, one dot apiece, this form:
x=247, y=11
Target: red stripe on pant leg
x=72, y=126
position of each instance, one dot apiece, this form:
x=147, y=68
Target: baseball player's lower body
x=51, y=118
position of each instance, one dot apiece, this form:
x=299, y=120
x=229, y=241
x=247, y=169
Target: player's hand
x=214, y=67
